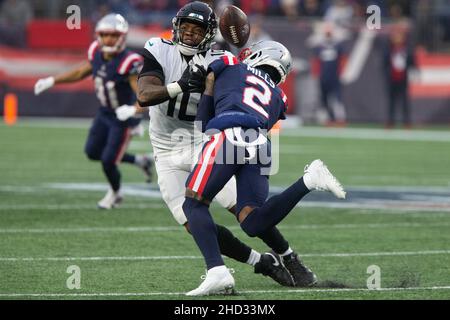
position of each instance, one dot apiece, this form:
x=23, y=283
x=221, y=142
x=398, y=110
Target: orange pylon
x=10, y=109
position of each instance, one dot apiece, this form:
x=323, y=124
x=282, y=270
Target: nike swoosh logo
x=276, y=263
x=150, y=43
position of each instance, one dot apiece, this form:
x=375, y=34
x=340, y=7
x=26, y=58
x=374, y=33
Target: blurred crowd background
x=343, y=72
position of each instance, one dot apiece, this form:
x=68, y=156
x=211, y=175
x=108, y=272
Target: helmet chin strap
x=118, y=47
x=186, y=50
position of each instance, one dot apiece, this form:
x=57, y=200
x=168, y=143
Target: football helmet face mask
x=198, y=13
x=270, y=53
x=112, y=24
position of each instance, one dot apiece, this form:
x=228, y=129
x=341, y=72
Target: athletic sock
x=274, y=210
x=287, y=252
x=130, y=158
x=253, y=258
x=113, y=175
x=231, y=246
x=204, y=231
x=274, y=240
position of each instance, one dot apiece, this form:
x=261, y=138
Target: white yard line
x=30, y=206
x=368, y=134
x=145, y=258
x=318, y=132
x=232, y=227
x=418, y=203
x=287, y=291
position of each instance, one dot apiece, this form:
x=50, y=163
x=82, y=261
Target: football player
x=240, y=104
x=172, y=91
x=114, y=69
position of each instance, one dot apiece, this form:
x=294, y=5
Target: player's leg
x=253, y=190
x=142, y=161
x=118, y=139
x=267, y=263
x=255, y=220
x=96, y=139
x=94, y=147
x=208, y=177
x=171, y=181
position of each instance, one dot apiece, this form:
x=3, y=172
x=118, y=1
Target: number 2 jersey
x=172, y=121
x=242, y=92
x=111, y=77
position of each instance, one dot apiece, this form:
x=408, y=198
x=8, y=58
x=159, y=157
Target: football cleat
x=110, y=200
x=146, y=166
x=271, y=265
x=318, y=177
x=218, y=280
x=302, y=275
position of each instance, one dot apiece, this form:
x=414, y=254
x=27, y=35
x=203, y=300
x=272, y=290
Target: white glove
x=43, y=84
x=125, y=112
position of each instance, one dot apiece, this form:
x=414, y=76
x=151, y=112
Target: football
x=234, y=26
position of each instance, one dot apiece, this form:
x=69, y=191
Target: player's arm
x=206, y=111
x=151, y=91
x=133, y=79
x=151, y=88
x=74, y=75
x=125, y=112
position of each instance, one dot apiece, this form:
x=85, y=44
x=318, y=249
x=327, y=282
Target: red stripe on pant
x=209, y=160
x=210, y=164
x=124, y=145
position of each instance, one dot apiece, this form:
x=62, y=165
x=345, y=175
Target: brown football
x=234, y=26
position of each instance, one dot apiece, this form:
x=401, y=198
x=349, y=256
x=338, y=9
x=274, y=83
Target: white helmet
x=112, y=23
x=270, y=53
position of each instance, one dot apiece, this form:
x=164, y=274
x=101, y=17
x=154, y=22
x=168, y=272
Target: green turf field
x=49, y=220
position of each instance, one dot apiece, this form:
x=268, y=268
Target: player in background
x=114, y=70
x=240, y=104
x=168, y=87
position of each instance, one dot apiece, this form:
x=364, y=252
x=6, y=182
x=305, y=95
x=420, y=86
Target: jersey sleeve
x=152, y=54
x=131, y=64
x=93, y=48
x=284, y=102
x=220, y=64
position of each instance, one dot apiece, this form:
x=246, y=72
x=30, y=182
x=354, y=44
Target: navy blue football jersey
x=111, y=76
x=241, y=88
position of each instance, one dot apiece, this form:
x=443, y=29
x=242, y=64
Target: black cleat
x=303, y=276
x=270, y=265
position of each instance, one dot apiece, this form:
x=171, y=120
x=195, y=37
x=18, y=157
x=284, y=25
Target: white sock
x=254, y=257
x=287, y=252
x=139, y=159
x=307, y=181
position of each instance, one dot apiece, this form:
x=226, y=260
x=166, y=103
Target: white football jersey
x=172, y=122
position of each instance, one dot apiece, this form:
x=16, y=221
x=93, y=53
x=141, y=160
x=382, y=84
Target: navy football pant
x=213, y=170
x=107, y=142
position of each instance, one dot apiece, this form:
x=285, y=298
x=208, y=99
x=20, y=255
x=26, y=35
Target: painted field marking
x=143, y=294
x=143, y=258
x=233, y=227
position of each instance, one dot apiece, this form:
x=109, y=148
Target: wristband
x=174, y=89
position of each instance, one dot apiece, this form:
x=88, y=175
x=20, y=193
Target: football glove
x=193, y=79
x=43, y=84
x=125, y=112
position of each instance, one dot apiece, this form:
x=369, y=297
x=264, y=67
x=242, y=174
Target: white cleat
x=318, y=177
x=218, y=280
x=110, y=200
